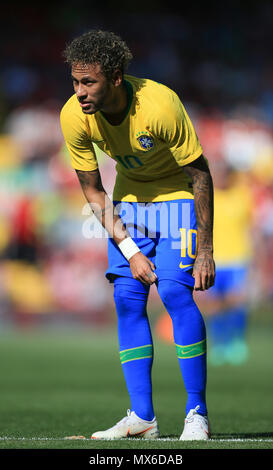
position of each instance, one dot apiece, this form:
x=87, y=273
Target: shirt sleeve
x=178, y=132
x=77, y=140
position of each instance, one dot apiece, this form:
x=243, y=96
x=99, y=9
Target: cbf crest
x=145, y=140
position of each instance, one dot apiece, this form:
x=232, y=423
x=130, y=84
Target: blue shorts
x=165, y=232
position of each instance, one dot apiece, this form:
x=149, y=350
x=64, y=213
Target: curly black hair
x=99, y=47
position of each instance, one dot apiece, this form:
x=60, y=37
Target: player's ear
x=117, y=78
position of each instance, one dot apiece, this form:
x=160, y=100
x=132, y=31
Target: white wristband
x=128, y=248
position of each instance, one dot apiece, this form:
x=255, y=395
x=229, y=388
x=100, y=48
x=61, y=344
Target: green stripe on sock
x=133, y=354
x=191, y=350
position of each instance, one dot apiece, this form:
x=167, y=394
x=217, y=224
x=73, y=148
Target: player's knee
x=129, y=300
x=119, y=297
x=174, y=293
x=122, y=297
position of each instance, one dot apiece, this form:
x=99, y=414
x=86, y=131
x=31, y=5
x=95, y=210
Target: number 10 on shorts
x=188, y=246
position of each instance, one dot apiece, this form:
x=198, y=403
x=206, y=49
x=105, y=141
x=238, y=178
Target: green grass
x=56, y=384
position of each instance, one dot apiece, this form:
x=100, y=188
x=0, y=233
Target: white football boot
x=130, y=426
x=196, y=427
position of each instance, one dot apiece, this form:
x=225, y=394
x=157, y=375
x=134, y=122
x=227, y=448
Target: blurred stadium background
x=219, y=62
x=218, y=59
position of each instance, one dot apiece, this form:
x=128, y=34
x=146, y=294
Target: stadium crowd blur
x=51, y=264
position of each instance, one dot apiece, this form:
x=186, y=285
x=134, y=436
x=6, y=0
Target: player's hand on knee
x=142, y=268
x=204, y=271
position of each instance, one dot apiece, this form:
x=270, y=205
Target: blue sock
x=190, y=338
x=135, y=343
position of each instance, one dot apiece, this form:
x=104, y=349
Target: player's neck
x=116, y=110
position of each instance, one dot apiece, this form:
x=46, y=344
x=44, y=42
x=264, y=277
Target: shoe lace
x=193, y=414
x=197, y=421
x=123, y=420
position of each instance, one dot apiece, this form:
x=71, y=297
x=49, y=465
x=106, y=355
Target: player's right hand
x=142, y=268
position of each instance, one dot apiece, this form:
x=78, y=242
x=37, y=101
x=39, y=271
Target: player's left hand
x=204, y=271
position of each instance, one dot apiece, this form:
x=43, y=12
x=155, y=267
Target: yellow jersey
x=232, y=223
x=151, y=145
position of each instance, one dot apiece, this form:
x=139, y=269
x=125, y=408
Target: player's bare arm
x=204, y=266
x=142, y=268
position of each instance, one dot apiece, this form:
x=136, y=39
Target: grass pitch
x=58, y=383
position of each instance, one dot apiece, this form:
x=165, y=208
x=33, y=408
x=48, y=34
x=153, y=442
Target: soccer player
x=160, y=222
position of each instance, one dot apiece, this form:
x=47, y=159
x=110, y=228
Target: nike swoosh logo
x=185, y=265
x=189, y=351
x=138, y=433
